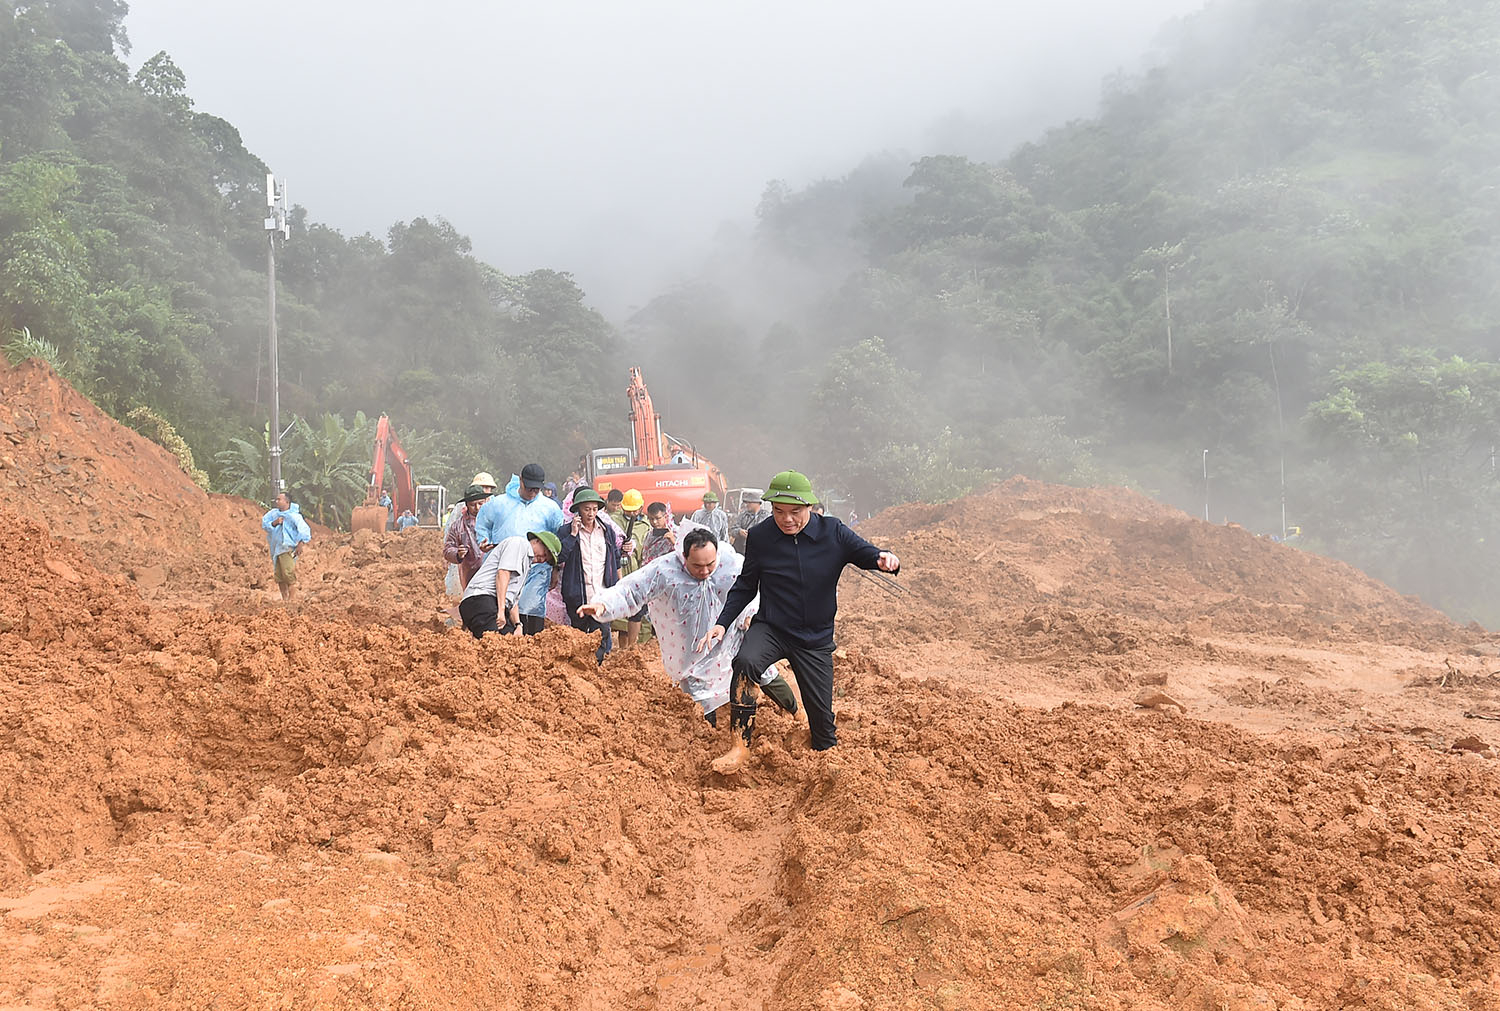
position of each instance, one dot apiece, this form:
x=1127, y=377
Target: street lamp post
x=276, y=221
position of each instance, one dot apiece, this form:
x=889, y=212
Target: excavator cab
x=432, y=506
x=602, y=461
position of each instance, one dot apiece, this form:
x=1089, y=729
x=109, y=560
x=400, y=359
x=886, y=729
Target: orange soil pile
x=342, y=804
x=127, y=502
x=1097, y=564
x=283, y=811
x=117, y=494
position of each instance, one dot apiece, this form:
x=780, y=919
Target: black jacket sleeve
x=743, y=591
x=858, y=550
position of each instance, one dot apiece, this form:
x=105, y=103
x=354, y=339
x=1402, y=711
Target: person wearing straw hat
x=794, y=564
x=496, y=587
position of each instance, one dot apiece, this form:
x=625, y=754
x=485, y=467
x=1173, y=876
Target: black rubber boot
x=779, y=692
x=742, y=706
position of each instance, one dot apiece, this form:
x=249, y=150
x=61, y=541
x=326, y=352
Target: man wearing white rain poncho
x=685, y=592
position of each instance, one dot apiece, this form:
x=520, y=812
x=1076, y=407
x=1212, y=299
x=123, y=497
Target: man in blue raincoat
x=286, y=532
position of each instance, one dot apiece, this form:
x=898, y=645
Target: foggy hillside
x=1274, y=252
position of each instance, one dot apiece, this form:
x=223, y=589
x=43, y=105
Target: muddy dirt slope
x=205, y=803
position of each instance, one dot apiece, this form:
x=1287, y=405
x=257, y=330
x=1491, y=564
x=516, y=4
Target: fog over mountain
x=612, y=140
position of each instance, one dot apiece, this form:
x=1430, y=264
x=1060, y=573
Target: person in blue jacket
x=286, y=532
x=794, y=563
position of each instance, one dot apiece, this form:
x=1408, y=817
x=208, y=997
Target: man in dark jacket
x=794, y=563
x=590, y=561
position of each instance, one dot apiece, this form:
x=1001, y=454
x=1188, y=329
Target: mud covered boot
x=733, y=761
x=741, y=726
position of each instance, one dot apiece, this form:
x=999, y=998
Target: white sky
x=611, y=139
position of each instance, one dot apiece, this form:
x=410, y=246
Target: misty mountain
x=1275, y=252
x=1278, y=248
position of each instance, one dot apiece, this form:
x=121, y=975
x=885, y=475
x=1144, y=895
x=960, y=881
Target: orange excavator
x=660, y=467
x=372, y=515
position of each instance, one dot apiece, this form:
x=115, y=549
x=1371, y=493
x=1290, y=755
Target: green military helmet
x=548, y=540
x=790, y=488
x=585, y=495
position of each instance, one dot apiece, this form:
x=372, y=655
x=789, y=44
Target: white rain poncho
x=683, y=609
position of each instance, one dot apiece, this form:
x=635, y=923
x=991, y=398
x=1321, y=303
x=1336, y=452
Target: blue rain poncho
x=508, y=515
x=292, y=531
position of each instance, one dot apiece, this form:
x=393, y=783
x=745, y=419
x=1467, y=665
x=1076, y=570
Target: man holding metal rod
x=794, y=563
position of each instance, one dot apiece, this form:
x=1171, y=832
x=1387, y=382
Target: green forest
x=1262, y=283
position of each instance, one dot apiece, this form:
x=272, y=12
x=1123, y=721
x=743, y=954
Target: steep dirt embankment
x=277, y=810
x=128, y=504
x=118, y=495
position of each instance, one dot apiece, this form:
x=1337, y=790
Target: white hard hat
x=483, y=478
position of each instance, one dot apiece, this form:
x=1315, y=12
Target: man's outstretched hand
x=590, y=610
x=708, y=641
x=888, y=561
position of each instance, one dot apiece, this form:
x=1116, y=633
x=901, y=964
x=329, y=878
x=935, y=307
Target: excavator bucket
x=369, y=517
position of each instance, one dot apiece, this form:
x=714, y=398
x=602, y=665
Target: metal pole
x=1205, y=486
x=276, y=221
x=1283, y=497
x=276, y=485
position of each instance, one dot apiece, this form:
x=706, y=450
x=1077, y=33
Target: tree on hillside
x=1411, y=489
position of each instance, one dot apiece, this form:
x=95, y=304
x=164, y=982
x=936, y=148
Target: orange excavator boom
x=664, y=468
x=645, y=423
x=388, y=452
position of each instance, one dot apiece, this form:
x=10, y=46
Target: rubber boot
x=779, y=692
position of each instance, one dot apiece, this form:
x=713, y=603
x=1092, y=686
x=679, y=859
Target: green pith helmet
x=585, y=495
x=709, y=496
x=549, y=541
x=790, y=488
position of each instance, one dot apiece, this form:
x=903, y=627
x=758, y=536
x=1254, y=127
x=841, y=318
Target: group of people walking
x=727, y=599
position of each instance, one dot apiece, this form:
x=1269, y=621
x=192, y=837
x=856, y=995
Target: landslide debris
x=1111, y=569
x=344, y=804
x=126, y=502
x=116, y=494
x=205, y=804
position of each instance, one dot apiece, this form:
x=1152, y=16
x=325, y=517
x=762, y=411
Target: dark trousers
x=764, y=645
x=480, y=614
x=531, y=624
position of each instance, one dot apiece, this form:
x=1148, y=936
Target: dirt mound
x=128, y=504
x=281, y=809
x=1025, y=549
x=115, y=493
x=209, y=798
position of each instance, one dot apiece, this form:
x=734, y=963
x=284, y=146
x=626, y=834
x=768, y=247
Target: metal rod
x=276, y=221
x=276, y=485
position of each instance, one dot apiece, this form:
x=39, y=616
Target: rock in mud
x=1473, y=744
x=1191, y=915
x=1155, y=698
